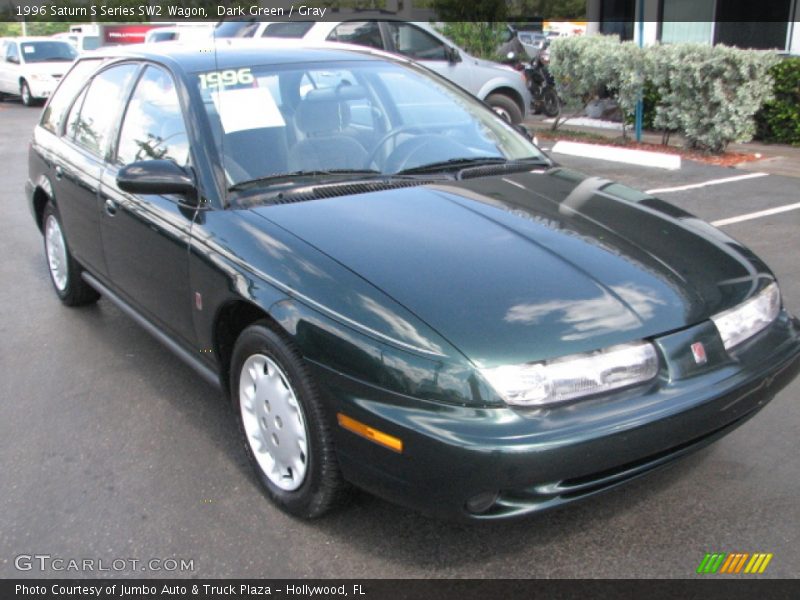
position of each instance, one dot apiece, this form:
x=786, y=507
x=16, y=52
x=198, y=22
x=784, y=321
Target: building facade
x=767, y=24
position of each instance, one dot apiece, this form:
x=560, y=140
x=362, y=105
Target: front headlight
x=539, y=384
x=741, y=322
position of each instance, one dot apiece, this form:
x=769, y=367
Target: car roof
x=227, y=53
x=33, y=38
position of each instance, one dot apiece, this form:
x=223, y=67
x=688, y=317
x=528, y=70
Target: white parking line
x=694, y=186
x=756, y=215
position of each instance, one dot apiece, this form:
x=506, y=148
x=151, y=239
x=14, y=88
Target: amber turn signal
x=373, y=435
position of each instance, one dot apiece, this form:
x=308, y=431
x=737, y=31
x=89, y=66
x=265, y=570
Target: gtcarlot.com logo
x=47, y=562
x=734, y=562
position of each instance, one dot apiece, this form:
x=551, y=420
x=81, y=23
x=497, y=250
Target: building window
x=617, y=17
x=687, y=21
x=749, y=24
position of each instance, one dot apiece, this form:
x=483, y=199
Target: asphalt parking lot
x=111, y=448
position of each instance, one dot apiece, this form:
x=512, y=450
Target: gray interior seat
x=321, y=117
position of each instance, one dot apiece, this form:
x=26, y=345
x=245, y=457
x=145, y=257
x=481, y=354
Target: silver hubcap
x=273, y=422
x=56, y=253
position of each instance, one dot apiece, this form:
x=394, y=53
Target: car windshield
x=355, y=117
x=34, y=52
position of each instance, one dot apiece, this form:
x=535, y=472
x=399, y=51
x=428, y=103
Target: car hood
x=533, y=265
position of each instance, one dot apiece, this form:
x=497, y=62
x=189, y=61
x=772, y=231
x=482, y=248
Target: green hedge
x=709, y=94
x=779, y=120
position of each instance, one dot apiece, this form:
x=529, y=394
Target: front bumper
x=42, y=88
x=530, y=460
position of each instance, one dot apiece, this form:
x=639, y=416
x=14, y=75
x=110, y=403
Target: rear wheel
x=505, y=107
x=25, y=94
x=65, y=272
x=283, y=424
x=550, y=102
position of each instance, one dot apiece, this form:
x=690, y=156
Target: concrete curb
x=660, y=160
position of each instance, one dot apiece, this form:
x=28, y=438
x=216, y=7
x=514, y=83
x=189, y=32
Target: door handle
x=111, y=207
x=59, y=172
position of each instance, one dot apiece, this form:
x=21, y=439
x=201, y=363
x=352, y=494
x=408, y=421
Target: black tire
x=75, y=291
x=25, y=94
x=506, y=107
x=550, y=102
x=322, y=486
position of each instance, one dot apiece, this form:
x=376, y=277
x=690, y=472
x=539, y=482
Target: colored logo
x=735, y=562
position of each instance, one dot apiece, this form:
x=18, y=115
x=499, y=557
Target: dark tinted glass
x=363, y=33
x=34, y=52
x=287, y=30
x=229, y=29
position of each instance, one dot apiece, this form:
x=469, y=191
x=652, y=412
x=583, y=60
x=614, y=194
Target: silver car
x=498, y=85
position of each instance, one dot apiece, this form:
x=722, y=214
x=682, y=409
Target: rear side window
x=153, y=126
x=53, y=114
x=92, y=125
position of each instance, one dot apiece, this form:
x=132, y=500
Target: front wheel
x=65, y=272
x=550, y=102
x=505, y=107
x=283, y=424
x=25, y=94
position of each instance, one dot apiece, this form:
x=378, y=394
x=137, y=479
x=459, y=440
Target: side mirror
x=157, y=177
x=452, y=55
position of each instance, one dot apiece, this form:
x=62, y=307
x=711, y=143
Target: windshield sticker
x=28, y=49
x=227, y=78
x=246, y=108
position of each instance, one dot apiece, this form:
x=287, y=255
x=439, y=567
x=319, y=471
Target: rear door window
x=53, y=114
x=92, y=125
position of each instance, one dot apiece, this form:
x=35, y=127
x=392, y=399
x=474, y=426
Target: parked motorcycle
x=544, y=97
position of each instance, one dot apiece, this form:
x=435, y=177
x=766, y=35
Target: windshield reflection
x=268, y=121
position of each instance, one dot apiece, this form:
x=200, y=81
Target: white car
x=83, y=42
x=181, y=33
x=500, y=86
x=32, y=67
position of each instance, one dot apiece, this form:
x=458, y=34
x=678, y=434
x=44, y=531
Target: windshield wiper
x=296, y=174
x=453, y=163
x=463, y=163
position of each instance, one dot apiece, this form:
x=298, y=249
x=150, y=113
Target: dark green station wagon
x=395, y=287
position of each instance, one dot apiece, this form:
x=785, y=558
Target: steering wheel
x=412, y=152
x=392, y=133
